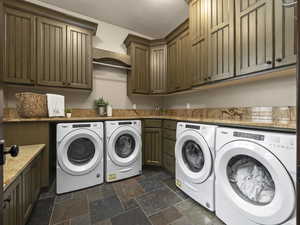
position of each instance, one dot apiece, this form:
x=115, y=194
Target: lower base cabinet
x=20, y=196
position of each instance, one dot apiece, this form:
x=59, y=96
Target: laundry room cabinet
x=54, y=49
x=169, y=141
x=152, y=142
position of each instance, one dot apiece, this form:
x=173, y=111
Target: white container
x=109, y=110
x=69, y=115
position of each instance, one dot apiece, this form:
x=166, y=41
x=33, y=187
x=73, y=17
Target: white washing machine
x=123, y=149
x=255, y=177
x=195, y=153
x=79, y=156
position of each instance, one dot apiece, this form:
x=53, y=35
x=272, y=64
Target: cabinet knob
x=269, y=62
x=5, y=201
x=279, y=60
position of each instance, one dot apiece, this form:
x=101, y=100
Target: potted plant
x=68, y=113
x=101, y=104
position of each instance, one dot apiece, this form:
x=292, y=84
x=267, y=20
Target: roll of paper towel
x=109, y=110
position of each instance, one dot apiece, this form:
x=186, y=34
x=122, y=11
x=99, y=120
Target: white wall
x=274, y=92
x=109, y=83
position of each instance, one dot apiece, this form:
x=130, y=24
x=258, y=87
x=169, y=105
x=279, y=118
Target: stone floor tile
x=165, y=216
x=41, y=212
x=130, y=204
x=70, y=208
x=131, y=217
x=170, y=182
x=105, y=208
x=181, y=221
x=66, y=222
x=103, y=222
x=197, y=214
x=81, y=220
x=63, y=197
x=157, y=200
x=128, y=189
x=150, y=183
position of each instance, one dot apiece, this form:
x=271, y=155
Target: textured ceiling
x=154, y=18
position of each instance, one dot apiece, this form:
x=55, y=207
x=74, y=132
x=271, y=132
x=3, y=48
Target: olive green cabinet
x=169, y=141
x=13, y=208
x=179, y=63
x=152, y=143
x=183, y=79
x=158, y=69
x=46, y=50
x=285, y=34
x=199, y=43
x=254, y=36
x=20, y=196
x=139, y=75
x=52, y=52
x=220, y=21
x=79, y=60
x=20, y=47
x=172, y=66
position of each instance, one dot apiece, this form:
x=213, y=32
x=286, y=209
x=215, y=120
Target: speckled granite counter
x=15, y=165
x=288, y=127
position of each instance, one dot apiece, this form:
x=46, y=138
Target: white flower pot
x=101, y=110
x=69, y=115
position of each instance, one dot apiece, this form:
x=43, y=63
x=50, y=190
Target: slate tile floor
x=149, y=199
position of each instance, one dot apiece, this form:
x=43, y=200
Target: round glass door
x=193, y=156
x=80, y=152
x=251, y=180
x=124, y=146
x=254, y=182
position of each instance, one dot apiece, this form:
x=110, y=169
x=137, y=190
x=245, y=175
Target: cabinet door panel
x=183, y=78
x=172, y=65
x=198, y=33
x=28, y=194
x=220, y=39
x=254, y=36
x=79, y=58
x=140, y=69
x=12, y=212
x=19, y=51
x=158, y=69
x=285, y=35
x=152, y=153
x=51, y=40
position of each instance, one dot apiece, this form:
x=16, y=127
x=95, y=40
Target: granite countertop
x=14, y=166
x=289, y=127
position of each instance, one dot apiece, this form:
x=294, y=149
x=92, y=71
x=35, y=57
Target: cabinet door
x=285, y=35
x=152, y=153
x=28, y=192
x=51, y=51
x=158, y=69
x=172, y=66
x=140, y=69
x=254, y=36
x=12, y=211
x=198, y=29
x=36, y=178
x=19, y=51
x=183, y=78
x=221, y=39
x=79, y=47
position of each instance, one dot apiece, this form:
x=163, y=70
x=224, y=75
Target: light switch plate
x=134, y=106
x=188, y=105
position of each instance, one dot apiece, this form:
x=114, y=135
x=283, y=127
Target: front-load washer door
x=80, y=152
x=124, y=146
x=255, y=182
x=193, y=156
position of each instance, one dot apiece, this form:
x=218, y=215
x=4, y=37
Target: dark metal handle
x=269, y=62
x=6, y=201
x=279, y=60
x=13, y=151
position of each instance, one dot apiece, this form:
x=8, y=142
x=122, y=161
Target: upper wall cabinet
x=254, y=36
x=198, y=34
x=158, y=69
x=47, y=48
x=52, y=53
x=220, y=39
x=79, y=58
x=285, y=35
x=20, y=46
